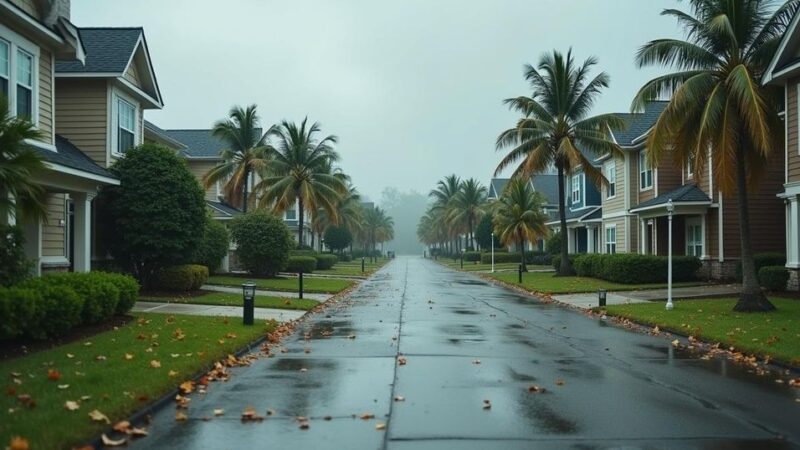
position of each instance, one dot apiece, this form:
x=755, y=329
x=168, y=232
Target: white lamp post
x=492, y=252
x=670, y=210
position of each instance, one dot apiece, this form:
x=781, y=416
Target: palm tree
x=378, y=227
x=446, y=189
x=348, y=214
x=519, y=216
x=555, y=124
x=300, y=172
x=247, y=153
x=718, y=107
x=431, y=229
x=467, y=206
x=18, y=163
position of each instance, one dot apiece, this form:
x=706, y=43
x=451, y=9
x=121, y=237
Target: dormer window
x=126, y=126
x=576, y=189
x=645, y=172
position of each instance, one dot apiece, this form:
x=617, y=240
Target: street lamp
x=670, y=211
x=462, y=257
x=493, y=252
x=249, y=295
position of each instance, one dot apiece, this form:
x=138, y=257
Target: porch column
x=705, y=234
x=570, y=240
x=82, y=245
x=793, y=233
x=642, y=236
x=590, y=240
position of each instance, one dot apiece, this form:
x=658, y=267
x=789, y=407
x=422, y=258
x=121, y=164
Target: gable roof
x=547, y=184
x=688, y=193
x=68, y=155
x=785, y=62
x=496, y=187
x=638, y=124
x=199, y=143
x=222, y=210
x=157, y=134
x=580, y=215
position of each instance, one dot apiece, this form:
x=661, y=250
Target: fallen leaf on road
x=676, y=343
x=487, y=404
x=72, y=405
x=352, y=336
x=137, y=432
x=187, y=387
x=477, y=361
x=399, y=398
x=534, y=389
x=303, y=425
x=367, y=416
x=250, y=415
x=380, y=426
x=180, y=416
x=97, y=416
x=401, y=361
x=559, y=382
x=122, y=426
x=108, y=442
x=219, y=412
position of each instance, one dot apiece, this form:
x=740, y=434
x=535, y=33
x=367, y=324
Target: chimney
x=53, y=9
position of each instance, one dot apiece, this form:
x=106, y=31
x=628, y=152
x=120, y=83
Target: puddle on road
x=462, y=311
x=461, y=329
x=472, y=282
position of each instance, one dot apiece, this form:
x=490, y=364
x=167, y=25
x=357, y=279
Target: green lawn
x=285, y=284
x=550, y=284
x=228, y=299
x=353, y=268
x=480, y=267
x=776, y=333
x=115, y=370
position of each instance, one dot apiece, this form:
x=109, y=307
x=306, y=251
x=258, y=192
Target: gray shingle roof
x=162, y=134
x=107, y=50
x=638, y=124
x=580, y=215
x=685, y=193
x=222, y=210
x=547, y=184
x=199, y=143
x=498, y=185
x=68, y=155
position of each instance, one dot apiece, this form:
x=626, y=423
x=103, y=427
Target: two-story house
x=583, y=212
x=784, y=71
x=35, y=37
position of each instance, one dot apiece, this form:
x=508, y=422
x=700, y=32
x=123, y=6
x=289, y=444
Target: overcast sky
x=413, y=88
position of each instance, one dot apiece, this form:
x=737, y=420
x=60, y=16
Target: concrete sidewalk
x=281, y=315
x=282, y=294
x=589, y=300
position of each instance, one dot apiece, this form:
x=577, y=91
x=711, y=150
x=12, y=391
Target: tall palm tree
x=519, y=216
x=378, y=227
x=247, y=153
x=18, y=163
x=446, y=189
x=467, y=206
x=718, y=106
x=431, y=229
x=556, y=124
x=300, y=172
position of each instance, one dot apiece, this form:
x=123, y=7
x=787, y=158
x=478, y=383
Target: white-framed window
x=5, y=67
x=645, y=172
x=576, y=189
x=290, y=214
x=24, y=84
x=611, y=176
x=611, y=239
x=19, y=77
x=126, y=126
x=690, y=167
x=694, y=238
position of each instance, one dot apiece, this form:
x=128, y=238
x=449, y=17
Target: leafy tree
x=467, y=206
x=518, y=216
x=556, y=125
x=18, y=163
x=300, y=172
x=214, y=246
x=553, y=244
x=156, y=214
x=338, y=238
x=443, y=195
x=719, y=110
x=14, y=266
x=483, y=232
x=247, y=153
x=263, y=243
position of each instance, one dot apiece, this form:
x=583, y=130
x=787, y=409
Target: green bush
x=630, y=268
x=338, y=238
x=326, y=261
x=587, y=265
x=128, y=290
x=500, y=257
x=305, y=263
x=19, y=310
x=773, y=278
x=556, y=261
x=59, y=309
x=553, y=244
x=14, y=267
x=763, y=260
x=474, y=257
x=304, y=252
x=263, y=243
x=100, y=296
x=214, y=246
x=185, y=278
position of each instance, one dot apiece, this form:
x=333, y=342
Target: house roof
x=223, y=210
x=785, y=62
x=200, y=143
x=581, y=215
x=161, y=135
x=108, y=50
x=68, y=155
x=688, y=193
x=497, y=186
x=547, y=184
x=637, y=124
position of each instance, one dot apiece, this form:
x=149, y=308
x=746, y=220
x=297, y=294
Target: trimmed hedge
x=184, y=278
x=325, y=261
x=312, y=253
x=555, y=261
x=473, y=256
x=305, y=263
x=630, y=268
x=536, y=258
x=762, y=260
x=52, y=305
x=773, y=278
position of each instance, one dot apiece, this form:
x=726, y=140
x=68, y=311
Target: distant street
x=484, y=368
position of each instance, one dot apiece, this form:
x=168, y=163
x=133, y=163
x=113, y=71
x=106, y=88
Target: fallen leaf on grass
x=101, y=357
x=172, y=373
x=108, y=442
x=155, y=364
x=97, y=416
x=72, y=405
x=53, y=375
x=70, y=355
x=128, y=356
x=18, y=443
x=63, y=386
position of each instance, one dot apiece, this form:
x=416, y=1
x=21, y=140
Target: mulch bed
x=21, y=347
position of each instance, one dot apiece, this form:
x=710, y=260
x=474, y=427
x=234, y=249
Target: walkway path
x=467, y=341
x=281, y=315
x=238, y=290
x=589, y=300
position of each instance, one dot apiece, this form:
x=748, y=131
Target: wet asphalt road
x=620, y=389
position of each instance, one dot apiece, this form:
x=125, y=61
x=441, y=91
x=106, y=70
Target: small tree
x=553, y=243
x=483, y=233
x=157, y=213
x=263, y=243
x=214, y=246
x=338, y=238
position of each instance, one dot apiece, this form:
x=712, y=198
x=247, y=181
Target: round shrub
x=305, y=263
x=344, y=257
x=263, y=243
x=773, y=278
x=214, y=246
x=100, y=296
x=326, y=261
x=311, y=253
x=185, y=278
x=60, y=308
x=128, y=290
x=473, y=256
x=19, y=310
x=338, y=238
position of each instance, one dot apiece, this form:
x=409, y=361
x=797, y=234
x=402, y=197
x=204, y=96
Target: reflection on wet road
x=466, y=341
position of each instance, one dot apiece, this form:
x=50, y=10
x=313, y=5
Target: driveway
x=466, y=341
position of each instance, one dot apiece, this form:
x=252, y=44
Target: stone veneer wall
x=715, y=270
x=794, y=280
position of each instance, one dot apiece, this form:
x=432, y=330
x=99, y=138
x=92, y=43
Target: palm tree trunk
x=471, y=236
x=522, y=252
x=244, y=190
x=565, y=269
x=752, y=298
x=300, y=221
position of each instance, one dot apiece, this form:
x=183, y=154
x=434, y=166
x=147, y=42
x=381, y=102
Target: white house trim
x=81, y=173
x=769, y=75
